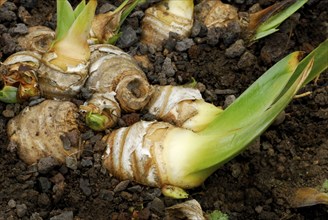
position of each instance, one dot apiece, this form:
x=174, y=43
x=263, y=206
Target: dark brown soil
x=257, y=184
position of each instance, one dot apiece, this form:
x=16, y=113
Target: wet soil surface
x=257, y=184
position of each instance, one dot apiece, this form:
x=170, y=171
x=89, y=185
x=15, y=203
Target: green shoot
x=71, y=46
x=266, y=21
x=106, y=27
x=244, y=120
x=8, y=94
x=96, y=121
x=217, y=215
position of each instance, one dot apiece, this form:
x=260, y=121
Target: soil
x=257, y=184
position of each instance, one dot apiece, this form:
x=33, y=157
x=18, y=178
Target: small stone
x=57, y=178
x=46, y=164
x=236, y=49
x=29, y=3
x=12, y=203
x=106, y=194
x=43, y=200
x=127, y=196
x=232, y=33
x=36, y=216
x=196, y=28
x=121, y=186
x=235, y=170
x=157, y=206
x=168, y=67
x=67, y=215
x=213, y=36
x=71, y=162
x=84, y=186
x=229, y=100
x=247, y=60
x=201, y=87
x=184, y=45
x=7, y=15
x=135, y=189
x=258, y=209
x=21, y=210
x=8, y=113
x=44, y=184
x=128, y=37
x=280, y=118
x=86, y=162
x=20, y=28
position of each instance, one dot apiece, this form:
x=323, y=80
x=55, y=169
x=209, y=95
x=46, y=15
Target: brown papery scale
x=113, y=70
x=39, y=38
x=22, y=71
x=47, y=129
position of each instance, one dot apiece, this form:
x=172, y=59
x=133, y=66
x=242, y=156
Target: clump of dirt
x=257, y=184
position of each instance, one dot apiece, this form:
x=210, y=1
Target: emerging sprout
x=160, y=154
x=215, y=14
x=165, y=17
x=66, y=64
x=47, y=129
x=102, y=111
x=106, y=27
x=113, y=70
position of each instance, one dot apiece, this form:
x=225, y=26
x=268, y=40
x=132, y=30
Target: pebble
x=44, y=184
x=184, y=45
x=196, y=28
x=46, y=164
x=12, y=203
x=168, y=67
x=232, y=34
x=280, y=118
x=247, y=60
x=213, y=36
x=36, y=216
x=127, y=196
x=43, y=200
x=9, y=45
x=135, y=189
x=106, y=194
x=71, y=162
x=128, y=37
x=229, y=100
x=86, y=162
x=7, y=15
x=157, y=206
x=29, y=3
x=20, y=28
x=57, y=178
x=235, y=170
x=84, y=186
x=121, y=186
x=21, y=210
x=236, y=49
x=66, y=215
x=8, y=113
